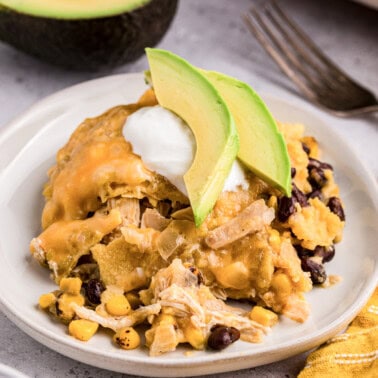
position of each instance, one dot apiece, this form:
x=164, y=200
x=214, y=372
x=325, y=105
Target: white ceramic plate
x=28, y=147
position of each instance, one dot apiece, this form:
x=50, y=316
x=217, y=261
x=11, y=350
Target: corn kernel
x=272, y=202
x=71, y=285
x=127, y=338
x=82, y=329
x=65, y=301
x=263, y=316
x=110, y=291
x=274, y=239
x=46, y=300
x=234, y=275
x=281, y=284
x=118, y=305
x=194, y=336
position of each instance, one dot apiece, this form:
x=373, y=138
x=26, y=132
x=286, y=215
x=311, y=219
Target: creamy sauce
x=164, y=142
x=167, y=146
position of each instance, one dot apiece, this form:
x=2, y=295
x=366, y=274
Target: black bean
x=336, y=207
x=315, y=194
x=317, y=271
x=306, y=148
x=286, y=205
x=222, y=336
x=303, y=252
x=317, y=178
x=314, y=163
x=93, y=289
x=293, y=172
x=285, y=208
x=299, y=196
x=326, y=253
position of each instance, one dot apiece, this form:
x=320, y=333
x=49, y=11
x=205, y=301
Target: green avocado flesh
x=73, y=9
x=181, y=88
x=262, y=147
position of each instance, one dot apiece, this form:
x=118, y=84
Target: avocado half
x=85, y=35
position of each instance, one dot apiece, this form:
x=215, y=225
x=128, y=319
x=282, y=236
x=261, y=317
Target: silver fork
x=317, y=77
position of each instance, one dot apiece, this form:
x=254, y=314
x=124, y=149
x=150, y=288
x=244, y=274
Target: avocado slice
x=68, y=9
x=262, y=147
x=181, y=88
x=88, y=35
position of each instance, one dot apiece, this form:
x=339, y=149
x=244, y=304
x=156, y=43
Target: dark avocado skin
x=88, y=45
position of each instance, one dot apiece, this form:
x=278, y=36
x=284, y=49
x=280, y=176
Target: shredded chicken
x=115, y=323
x=163, y=338
x=296, y=308
x=184, y=298
x=252, y=219
x=176, y=273
x=186, y=301
x=250, y=330
x=176, y=289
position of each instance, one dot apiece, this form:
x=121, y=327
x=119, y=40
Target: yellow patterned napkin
x=351, y=354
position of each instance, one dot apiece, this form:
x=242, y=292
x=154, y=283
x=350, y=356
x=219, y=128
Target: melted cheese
x=92, y=167
x=65, y=241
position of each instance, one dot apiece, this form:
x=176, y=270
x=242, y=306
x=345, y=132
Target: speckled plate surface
x=28, y=146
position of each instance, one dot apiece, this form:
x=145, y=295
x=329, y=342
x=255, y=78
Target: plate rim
x=289, y=348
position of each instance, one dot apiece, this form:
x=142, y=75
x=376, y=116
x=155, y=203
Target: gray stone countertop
x=210, y=34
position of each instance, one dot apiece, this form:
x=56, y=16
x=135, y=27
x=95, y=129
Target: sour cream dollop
x=167, y=146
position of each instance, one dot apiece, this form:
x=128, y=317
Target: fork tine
x=318, y=78
x=340, y=75
x=296, y=42
x=271, y=43
x=292, y=58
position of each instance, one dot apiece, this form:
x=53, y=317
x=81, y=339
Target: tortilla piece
x=124, y=265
